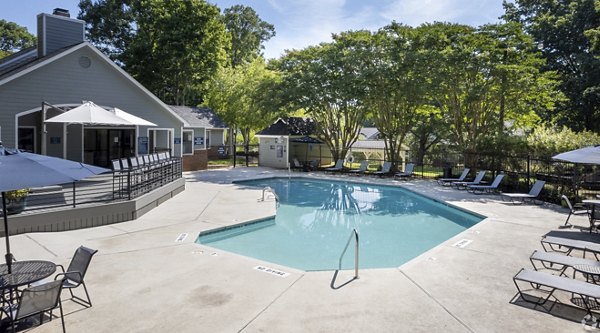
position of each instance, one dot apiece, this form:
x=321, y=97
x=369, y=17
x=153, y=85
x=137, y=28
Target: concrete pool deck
x=143, y=280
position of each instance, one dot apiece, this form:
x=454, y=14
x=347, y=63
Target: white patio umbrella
x=132, y=119
x=587, y=155
x=89, y=113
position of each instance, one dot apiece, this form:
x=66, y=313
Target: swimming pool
x=315, y=218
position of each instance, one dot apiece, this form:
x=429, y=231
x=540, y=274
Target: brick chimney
x=58, y=30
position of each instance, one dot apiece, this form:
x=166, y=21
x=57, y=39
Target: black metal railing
x=126, y=183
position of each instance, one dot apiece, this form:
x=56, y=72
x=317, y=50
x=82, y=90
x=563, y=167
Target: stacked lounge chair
x=585, y=294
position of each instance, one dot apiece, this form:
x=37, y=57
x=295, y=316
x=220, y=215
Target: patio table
x=23, y=273
x=593, y=211
x=590, y=272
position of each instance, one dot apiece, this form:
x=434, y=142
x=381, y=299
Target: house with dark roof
x=63, y=71
x=289, y=138
x=203, y=119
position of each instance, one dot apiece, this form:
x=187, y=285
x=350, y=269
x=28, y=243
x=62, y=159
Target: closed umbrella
x=23, y=170
x=587, y=155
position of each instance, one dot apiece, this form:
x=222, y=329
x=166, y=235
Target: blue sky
x=300, y=23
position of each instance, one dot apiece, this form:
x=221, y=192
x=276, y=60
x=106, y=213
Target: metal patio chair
x=74, y=276
x=36, y=301
x=573, y=210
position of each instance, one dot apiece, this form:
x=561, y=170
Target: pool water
x=315, y=219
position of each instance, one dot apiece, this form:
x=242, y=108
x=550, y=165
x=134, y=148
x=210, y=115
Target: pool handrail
x=356, y=249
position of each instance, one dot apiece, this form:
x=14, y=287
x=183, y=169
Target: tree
x=248, y=33
x=484, y=80
x=13, y=38
x=109, y=25
x=565, y=32
x=428, y=131
x=242, y=96
x=179, y=45
x=326, y=82
x=395, y=83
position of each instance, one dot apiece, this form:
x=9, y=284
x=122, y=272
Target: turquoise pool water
x=315, y=219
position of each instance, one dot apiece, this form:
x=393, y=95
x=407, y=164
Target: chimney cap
x=61, y=12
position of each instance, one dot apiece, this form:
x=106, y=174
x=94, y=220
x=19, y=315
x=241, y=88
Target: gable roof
x=33, y=64
x=199, y=117
x=290, y=126
x=370, y=133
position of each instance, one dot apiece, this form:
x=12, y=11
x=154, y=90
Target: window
x=27, y=139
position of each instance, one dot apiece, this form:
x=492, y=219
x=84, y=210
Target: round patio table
x=25, y=272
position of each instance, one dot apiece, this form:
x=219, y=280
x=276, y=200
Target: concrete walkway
x=142, y=280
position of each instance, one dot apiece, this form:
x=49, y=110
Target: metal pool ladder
x=269, y=189
x=353, y=234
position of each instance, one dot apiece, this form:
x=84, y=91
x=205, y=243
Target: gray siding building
x=61, y=73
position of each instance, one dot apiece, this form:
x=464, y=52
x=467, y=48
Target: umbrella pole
x=8, y=255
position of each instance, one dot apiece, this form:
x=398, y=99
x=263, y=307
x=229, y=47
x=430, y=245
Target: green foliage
x=17, y=194
x=326, y=82
x=248, y=33
x=171, y=47
x=109, y=25
x=242, y=96
x=13, y=38
x=172, y=59
x=546, y=142
x=395, y=81
x=483, y=79
x=567, y=34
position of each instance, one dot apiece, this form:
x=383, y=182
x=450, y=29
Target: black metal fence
x=125, y=183
x=573, y=180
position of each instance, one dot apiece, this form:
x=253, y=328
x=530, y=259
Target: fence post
x=528, y=170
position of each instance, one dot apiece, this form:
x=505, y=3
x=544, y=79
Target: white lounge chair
x=476, y=189
x=476, y=181
x=339, y=165
x=449, y=181
x=558, y=262
x=364, y=164
x=589, y=292
x=408, y=171
x=385, y=169
x=535, y=191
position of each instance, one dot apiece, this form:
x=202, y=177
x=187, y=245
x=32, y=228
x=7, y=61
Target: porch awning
x=90, y=113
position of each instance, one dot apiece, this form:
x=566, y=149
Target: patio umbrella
x=306, y=140
x=89, y=113
x=587, y=155
x=25, y=170
x=132, y=119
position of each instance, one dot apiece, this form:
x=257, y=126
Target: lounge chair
x=476, y=181
x=475, y=189
x=449, y=181
x=339, y=166
x=572, y=211
x=364, y=164
x=408, y=171
x=567, y=245
x=296, y=165
x=589, y=292
x=535, y=191
x=385, y=169
x=558, y=262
